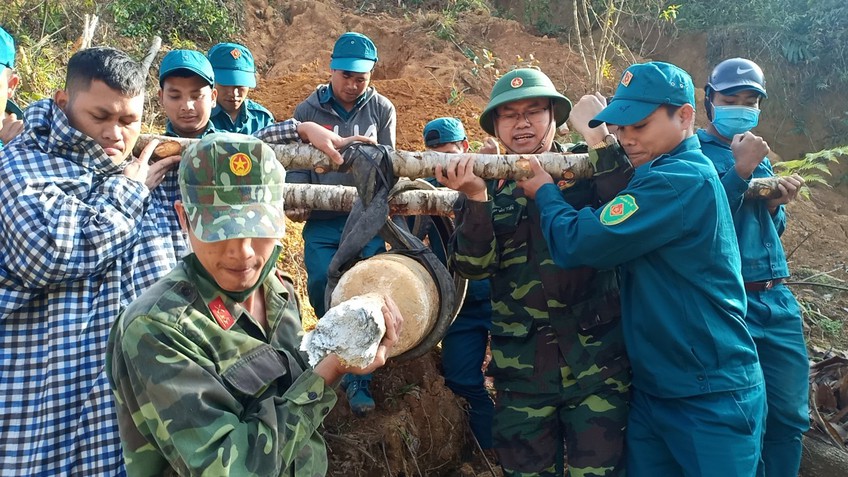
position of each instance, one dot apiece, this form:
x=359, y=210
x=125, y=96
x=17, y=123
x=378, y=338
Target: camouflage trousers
x=533, y=433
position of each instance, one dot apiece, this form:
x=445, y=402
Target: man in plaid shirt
x=72, y=201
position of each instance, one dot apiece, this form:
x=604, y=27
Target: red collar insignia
x=221, y=313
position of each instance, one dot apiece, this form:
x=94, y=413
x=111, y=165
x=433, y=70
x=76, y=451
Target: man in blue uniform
x=348, y=106
x=698, y=400
x=187, y=93
x=733, y=94
x=235, y=76
x=187, y=96
x=464, y=345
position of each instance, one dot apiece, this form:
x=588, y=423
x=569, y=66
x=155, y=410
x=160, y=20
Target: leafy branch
x=812, y=167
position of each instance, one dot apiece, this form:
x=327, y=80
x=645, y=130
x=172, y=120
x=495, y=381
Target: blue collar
x=688, y=144
x=705, y=136
x=325, y=95
x=13, y=108
x=217, y=111
x=169, y=129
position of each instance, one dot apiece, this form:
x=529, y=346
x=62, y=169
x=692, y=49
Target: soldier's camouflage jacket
x=544, y=317
x=195, y=398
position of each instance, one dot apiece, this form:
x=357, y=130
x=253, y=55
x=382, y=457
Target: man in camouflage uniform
x=558, y=360
x=205, y=364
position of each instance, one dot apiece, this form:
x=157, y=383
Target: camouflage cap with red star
x=232, y=187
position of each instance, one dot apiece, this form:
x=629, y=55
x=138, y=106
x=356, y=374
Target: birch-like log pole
x=415, y=165
x=341, y=198
x=423, y=164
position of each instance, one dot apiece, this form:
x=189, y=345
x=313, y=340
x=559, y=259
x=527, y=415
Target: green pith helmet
x=523, y=83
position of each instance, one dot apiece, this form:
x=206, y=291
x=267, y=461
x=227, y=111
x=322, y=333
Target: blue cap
x=354, y=52
x=442, y=131
x=643, y=88
x=7, y=50
x=193, y=61
x=233, y=65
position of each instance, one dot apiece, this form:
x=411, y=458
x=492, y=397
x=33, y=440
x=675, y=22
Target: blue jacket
x=757, y=230
x=252, y=117
x=683, y=303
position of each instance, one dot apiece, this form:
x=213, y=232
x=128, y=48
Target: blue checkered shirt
x=69, y=228
x=78, y=242
x=279, y=133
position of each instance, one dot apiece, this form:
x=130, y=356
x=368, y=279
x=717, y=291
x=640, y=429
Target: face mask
x=732, y=120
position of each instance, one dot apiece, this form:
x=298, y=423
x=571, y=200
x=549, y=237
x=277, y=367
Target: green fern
x=812, y=167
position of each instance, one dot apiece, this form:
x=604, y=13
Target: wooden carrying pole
x=416, y=165
x=341, y=198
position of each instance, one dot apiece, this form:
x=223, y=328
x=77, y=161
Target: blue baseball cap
x=233, y=65
x=7, y=50
x=191, y=60
x=643, y=88
x=354, y=52
x=443, y=131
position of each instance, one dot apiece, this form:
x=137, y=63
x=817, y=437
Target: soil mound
x=417, y=101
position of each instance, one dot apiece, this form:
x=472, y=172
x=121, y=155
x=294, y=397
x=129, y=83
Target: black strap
x=374, y=177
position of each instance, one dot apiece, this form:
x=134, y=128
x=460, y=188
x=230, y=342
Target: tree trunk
x=423, y=164
x=821, y=459
x=417, y=165
x=763, y=188
x=341, y=198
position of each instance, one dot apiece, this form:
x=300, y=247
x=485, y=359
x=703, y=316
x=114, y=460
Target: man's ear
x=465, y=145
x=61, y=97
x=14, y=82
x=214, y=97
x=159, y=95
x=686, y=113
x=181, y=215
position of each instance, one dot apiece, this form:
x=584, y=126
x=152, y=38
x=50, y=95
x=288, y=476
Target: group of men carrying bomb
x=638, y=319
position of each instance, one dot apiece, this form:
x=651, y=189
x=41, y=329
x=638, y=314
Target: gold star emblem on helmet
x=235, y=53
x=240, y=164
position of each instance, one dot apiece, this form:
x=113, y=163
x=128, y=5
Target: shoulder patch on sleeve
x=618, y=210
